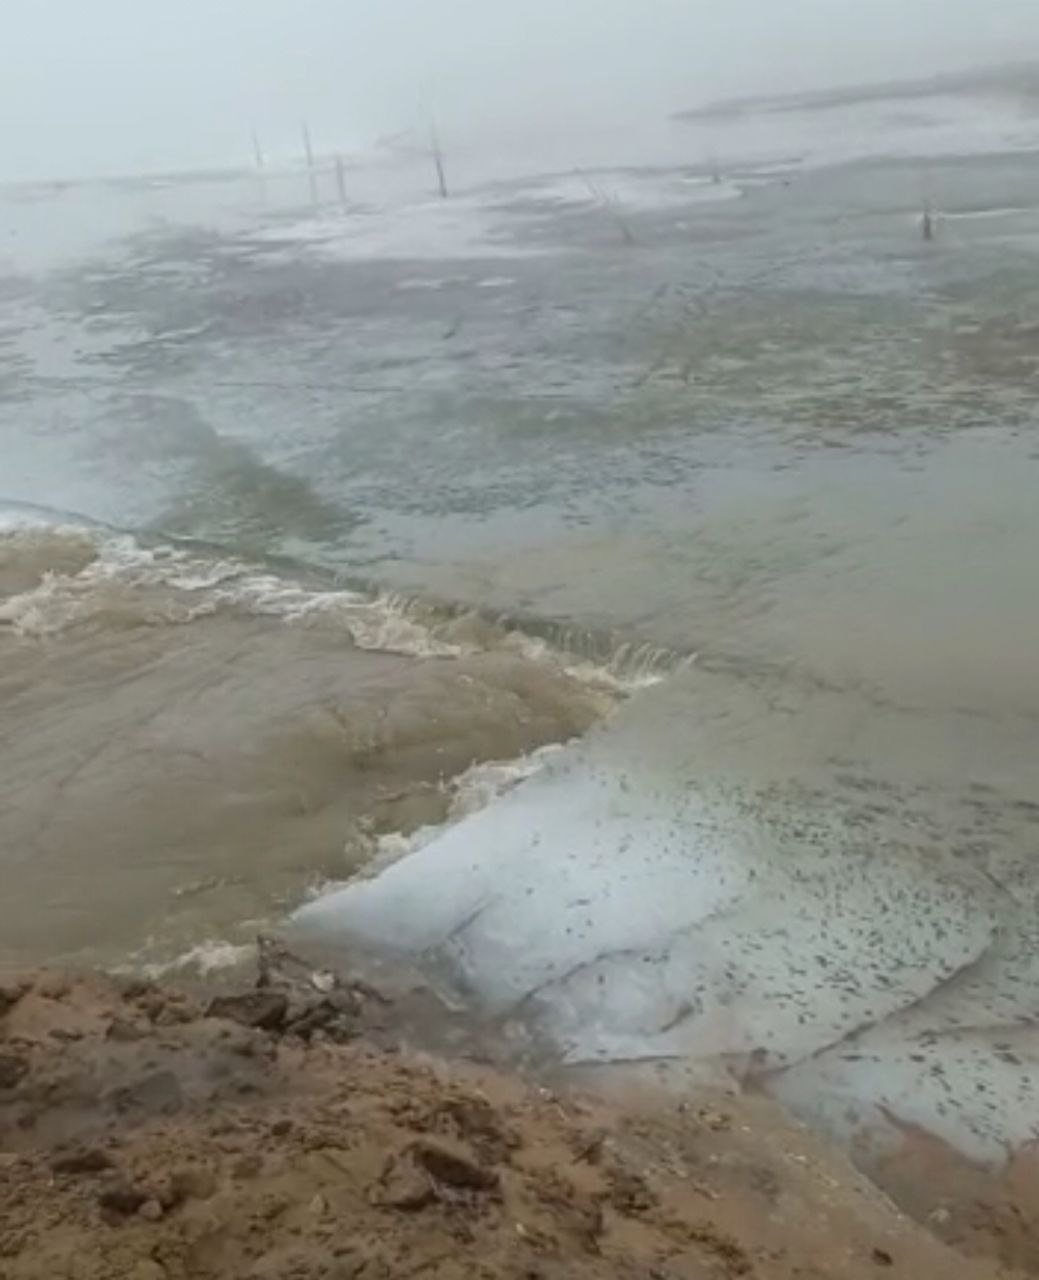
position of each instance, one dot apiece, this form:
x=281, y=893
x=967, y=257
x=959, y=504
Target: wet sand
x=285, y=1134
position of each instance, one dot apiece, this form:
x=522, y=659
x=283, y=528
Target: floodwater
x=712, y=468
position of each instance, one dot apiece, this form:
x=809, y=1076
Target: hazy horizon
x=109, y=87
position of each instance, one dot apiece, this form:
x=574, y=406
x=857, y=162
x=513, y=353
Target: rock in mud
x=147, y=1269
x=261, y=1010
x=11, y=991
x=630, y=1194
x=403, y=1186
x=335, y=1016
x=192, y=1183
x=122, y=1031
x=121, y=1199
x=453, y=1166
x=84, y=1161
x=13, y=1069
x=476, y=1122
x=157, y=1094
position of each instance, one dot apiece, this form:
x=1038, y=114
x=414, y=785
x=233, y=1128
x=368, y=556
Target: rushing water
x=743, y=473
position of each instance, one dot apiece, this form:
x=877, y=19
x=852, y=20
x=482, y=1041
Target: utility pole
x=258, y=156
x=308, y=152
x=341, y=182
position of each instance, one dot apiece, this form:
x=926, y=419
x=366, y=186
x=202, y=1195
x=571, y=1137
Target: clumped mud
x=288, y=1132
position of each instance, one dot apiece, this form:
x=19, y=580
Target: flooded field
x=713, y=460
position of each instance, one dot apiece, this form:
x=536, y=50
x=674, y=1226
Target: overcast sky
x=118, y=85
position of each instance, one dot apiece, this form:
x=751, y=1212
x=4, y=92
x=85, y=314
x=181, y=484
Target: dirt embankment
x=285, y=1134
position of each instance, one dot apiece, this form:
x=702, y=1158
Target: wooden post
x=610, y=205
x=341, y=182
x=308, y=151
x=260, y=161
x=928, y=220
x=438, y=160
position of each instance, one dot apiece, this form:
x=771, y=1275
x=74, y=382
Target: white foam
x=963, y=1064
x=205, y=959
x=711, y=905
x=474, y=789
x=974, y=215
x=413, y=284
x=170, y=585
x=482, y=783
x=644, y=928
x=630, y=190
x=464, y=227
x=484, y=224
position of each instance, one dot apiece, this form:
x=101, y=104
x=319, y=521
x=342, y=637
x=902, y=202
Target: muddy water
x=763, y=425
x=189, y=747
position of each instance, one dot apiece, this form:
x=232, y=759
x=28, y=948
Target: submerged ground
x=602, y=422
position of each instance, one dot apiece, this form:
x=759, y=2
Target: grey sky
x=116, y=85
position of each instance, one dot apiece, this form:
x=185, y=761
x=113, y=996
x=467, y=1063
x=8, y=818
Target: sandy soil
x=289, y=1132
